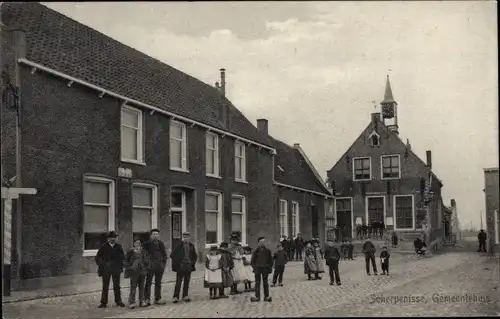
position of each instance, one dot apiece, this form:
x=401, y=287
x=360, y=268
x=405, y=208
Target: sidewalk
x=91, y=283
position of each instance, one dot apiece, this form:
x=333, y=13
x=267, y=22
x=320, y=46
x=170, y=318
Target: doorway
x=343, y=211
x=178, y=215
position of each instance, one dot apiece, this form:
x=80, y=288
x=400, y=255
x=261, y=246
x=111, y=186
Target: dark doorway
x=315, y=226
x=375, y=210
x=344, y=217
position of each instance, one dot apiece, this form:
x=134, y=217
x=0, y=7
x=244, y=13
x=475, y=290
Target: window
x=404, y=211
x=375, y=209
x=131, y=134
x=238, y=217
x=213, y=218
x=362, y=168
x=144, y=210
x=240, y=162
x=98, y=212
x=178, y=146
x=374, y=139
x=295, y=219
x=283, y=217
x=390, y=166
x=212, y=158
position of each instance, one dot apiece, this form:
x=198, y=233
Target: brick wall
x=69, y=132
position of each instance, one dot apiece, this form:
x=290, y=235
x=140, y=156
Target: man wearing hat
x=262, y=264
x=109, y=260
x=183, y=263
x=332, y=257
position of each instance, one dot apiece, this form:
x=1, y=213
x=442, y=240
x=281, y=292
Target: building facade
x=113, y=139
x=491, y=192
x=380, y=179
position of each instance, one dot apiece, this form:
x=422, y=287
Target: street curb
x=69, y=294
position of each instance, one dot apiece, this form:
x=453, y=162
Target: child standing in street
x=384, y=260
x=280, y=259
x=213, y=272
x=137, y=263
x=247, y=258
x=227, y=266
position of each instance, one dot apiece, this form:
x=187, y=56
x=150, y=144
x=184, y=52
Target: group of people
x=375, y=230
x=226, y=266
x=293, y=247
x=144, y=262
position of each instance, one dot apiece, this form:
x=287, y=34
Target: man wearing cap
x=332, y=257
x=109, y=260
x=183, y=263
x=262, y=264
x=158, y=254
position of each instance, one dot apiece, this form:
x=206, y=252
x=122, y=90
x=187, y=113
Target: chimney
x=296, y=145
x=408, y=145
x=262, y=126
x=429, y=159
x=375, y=117
x=453, y=203
x=223, y=81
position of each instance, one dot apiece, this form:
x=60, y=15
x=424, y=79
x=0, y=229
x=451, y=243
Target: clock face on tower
x=388, y=111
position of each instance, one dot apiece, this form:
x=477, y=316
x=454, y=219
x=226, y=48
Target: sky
x=314, y=68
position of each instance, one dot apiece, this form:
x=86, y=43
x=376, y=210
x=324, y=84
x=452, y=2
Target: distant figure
x=481, y=237
x=359, y=231
x=394, y=239
x=337, y=233
x=369, y=251
x=350, y=250
x=382, y=229
x=374, y=230
x=364, y=230
x=299, y=247
x=343, y=250
x=420, y=246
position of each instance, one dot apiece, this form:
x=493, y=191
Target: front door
x=344, y=217
x=177, y=210
x=314, y=215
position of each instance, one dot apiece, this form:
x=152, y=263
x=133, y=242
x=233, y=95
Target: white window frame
x=394, y=212
x=352, y=211
x=243, y=214
x=216, y=150
x=111, y=208
x=183, y=140
x=382, y=166
x=354, y=168
x=285, y=214
x=219, y=218
x=243, y=158
x=296, y=218
x=366, y=208
x=140, y=136
x=496, y=213
x=181, y=210
x=154, y=208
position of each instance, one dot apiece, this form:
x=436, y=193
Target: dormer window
x=374, y=139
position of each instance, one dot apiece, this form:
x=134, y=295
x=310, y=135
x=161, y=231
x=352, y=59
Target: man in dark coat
x=109, y=260
x=183, y=263
x=291, y=248
x=369, y=251
x=481, y=237
x=158, y=255
x=332, y=257
x=299, y=247
x=262, y=264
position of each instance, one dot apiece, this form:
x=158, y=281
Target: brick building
x=491, y=194
x=113, y=139
x=380, y=179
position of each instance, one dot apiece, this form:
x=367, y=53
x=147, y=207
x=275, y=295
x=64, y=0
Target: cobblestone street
x=445, y=274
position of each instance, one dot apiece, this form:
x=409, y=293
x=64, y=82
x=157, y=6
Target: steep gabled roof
x=65, y=45
x=381, y=124
x=292, y=168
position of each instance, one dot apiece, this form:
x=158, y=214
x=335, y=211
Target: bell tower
x=390, y=108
